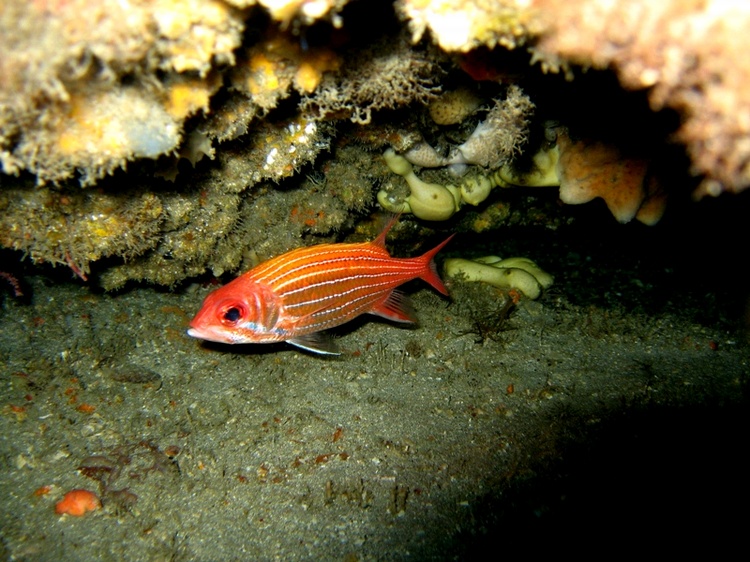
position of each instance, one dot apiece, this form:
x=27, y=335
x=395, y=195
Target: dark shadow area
x=645, y=480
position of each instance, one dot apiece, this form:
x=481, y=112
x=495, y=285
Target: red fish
x=295, y=296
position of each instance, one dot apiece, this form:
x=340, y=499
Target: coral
x=78, y=228
x=461, y=25
x=87, y=86
x=270, y=68
x=586, y=169
x=282, y=148
x=213, y=230
x=454, y=106
x=498, y=138
x=689, y=56
x=388, y=75
x=521, y=274
x=101, y=130
x=304, y=11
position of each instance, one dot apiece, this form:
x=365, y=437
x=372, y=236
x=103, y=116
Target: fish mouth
x=202, y=335
x=212, y=335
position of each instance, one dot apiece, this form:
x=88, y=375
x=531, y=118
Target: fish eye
x=232, y=314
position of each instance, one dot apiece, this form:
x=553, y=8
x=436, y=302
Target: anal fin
x=396, y=307
x=317, y=342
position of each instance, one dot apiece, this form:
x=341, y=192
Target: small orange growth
x=338, y=434
x=187, y=97
x=515, y=296
x=510, y=389
x=18, y=411
x=311, y=68
x=86, y=408
x=42, y=491
x=172, y=451
x=78, y=503
x=320, y=459
x=263, y=75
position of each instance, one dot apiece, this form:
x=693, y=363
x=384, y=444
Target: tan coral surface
x=691, y=56
x=86, y=86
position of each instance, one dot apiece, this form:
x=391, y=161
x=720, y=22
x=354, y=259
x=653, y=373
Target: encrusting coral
x=464, y=25
x=690, y=57
x=87, y=86
x=586, y=169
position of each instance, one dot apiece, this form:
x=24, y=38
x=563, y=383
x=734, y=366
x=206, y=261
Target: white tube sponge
x=517, y=273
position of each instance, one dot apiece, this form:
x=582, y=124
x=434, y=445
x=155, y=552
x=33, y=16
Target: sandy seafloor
x=613, y=410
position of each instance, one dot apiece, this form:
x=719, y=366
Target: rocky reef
x=159, y=141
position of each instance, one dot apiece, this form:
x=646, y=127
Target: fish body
x=295, y=296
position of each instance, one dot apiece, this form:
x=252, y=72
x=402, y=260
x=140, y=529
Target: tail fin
x=430, y=274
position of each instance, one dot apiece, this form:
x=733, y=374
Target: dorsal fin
x=380, y=240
